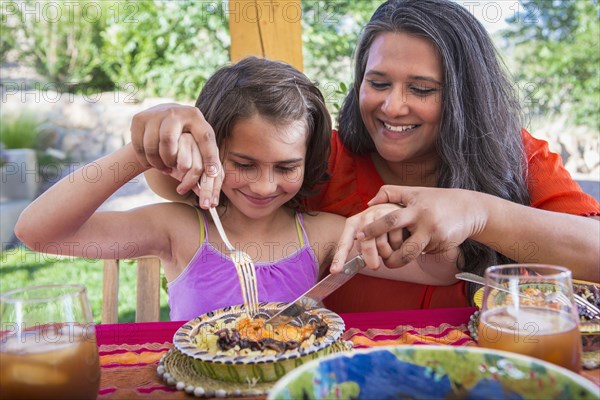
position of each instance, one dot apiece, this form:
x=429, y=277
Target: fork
x=564, y=300
x=244, y=266
x=586, y=304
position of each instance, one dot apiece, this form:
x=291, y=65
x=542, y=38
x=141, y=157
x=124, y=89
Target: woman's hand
x=427, y=221
x=374, y=250
x=177, y=140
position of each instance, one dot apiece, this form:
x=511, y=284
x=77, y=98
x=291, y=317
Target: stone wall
x=78, y=127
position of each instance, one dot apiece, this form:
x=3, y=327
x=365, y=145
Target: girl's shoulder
x=323, y=225
x=321, y=218
x=323, y=231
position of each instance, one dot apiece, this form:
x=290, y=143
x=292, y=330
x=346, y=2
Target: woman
x=432, y=116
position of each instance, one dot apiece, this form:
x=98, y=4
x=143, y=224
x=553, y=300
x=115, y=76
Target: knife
x=317, y=293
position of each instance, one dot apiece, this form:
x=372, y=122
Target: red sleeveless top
x=354, y=181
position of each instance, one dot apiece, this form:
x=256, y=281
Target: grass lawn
x=20, y=267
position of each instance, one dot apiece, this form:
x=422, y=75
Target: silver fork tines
x=586, y=304
x=244, y=266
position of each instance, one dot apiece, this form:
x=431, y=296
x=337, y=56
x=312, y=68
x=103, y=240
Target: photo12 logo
x=55, y=92
x=70, y=11
x=269, y=11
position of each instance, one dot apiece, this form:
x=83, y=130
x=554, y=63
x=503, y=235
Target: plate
x=257, y=367
x=178, y=370
x=425, y=372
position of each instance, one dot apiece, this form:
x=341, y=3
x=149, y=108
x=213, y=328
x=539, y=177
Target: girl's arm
x=166, y=187
x=64, y=220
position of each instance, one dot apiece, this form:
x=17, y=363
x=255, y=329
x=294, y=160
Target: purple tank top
x=210, y=280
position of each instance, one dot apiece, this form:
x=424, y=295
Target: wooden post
x=110, y=292
x=266, y=28
x=148, y=290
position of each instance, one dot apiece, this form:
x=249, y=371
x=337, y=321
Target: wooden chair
x=148, y=291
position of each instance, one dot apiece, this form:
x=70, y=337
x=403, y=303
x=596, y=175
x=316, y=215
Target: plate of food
x=425, y=372
x=227, y=345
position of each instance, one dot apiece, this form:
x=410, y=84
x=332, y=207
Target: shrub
x=19, y=132
x=22, y=132
x=166, y=48
x=61, y=40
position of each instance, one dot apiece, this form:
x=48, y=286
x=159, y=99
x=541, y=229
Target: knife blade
x=317, y=293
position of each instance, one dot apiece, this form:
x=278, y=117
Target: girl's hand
x=375, y=249
x=177, y=140
x=437, y=220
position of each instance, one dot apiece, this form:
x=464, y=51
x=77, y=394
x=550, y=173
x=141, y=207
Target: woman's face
x=264, y=165
x=401, y=97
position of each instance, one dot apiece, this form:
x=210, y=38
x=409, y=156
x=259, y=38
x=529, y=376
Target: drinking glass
x=530, y=309
x=48, y=344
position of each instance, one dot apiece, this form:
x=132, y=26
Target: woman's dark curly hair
x=479, y=145
x=276, y=91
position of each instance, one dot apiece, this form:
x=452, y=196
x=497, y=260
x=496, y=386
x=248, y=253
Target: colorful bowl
x=431, y=372
x=256, y=368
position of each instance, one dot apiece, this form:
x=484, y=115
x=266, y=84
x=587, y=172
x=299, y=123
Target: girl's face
x=400, y=97
x=264, y=165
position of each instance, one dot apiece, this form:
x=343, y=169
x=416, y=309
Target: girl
x=273, y=132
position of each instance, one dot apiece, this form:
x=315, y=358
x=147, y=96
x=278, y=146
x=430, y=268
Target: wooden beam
x=110, y=292
x=148, y=290
x=266, y=28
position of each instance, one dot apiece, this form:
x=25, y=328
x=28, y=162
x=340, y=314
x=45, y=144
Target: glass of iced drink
x=48, y=344
x=530, y=309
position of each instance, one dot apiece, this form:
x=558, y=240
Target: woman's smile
x=400, y=96
x=397, y=131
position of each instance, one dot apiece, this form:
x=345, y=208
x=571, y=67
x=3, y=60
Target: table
x=129, y=353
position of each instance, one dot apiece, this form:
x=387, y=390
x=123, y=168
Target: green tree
x=60, y=39
x=330, y=31
x=167, y=48
x=556, y=50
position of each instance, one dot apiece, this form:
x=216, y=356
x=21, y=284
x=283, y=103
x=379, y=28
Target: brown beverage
x=538, y=332
x=50, y=363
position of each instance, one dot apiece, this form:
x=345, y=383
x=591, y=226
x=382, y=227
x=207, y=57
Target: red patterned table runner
x=129, y=353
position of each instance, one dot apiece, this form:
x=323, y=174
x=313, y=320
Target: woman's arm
x=64, y=220
x=176, y=139
x=326, y=232
x=439, y=219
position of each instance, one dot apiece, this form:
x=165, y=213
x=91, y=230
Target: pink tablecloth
x=158, y=332
x=129, y=353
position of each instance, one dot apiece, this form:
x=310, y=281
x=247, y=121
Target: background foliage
x=169, y=48
x=66, y=48
x=20, y=268
x=556, y=50
x=166, y=49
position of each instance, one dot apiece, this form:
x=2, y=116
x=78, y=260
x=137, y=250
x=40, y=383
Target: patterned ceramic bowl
x=432, y=372
x=256, y=367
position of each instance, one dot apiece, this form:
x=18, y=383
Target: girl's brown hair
x=279, y=92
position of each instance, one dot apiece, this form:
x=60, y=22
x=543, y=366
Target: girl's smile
x=259, y=201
